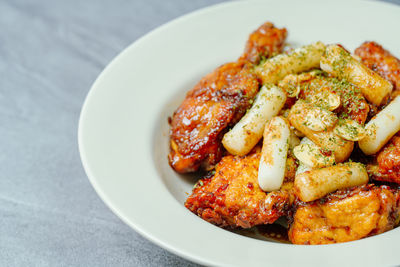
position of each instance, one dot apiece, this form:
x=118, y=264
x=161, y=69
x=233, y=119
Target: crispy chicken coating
x=232, y=198
x=216, y=103
x=265, y=42
x=375, y=57
x=345, y=215
x=388, y=162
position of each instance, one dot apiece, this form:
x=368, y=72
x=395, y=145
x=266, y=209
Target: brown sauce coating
x=353, y=104
x=264, y=42
x=387, y=166
x=230, y=196
x=274, y=231
x=345, y=215
x=375, y=57
x=217, y=102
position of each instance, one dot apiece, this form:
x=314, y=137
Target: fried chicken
x=388, y=162
x=375, y=57
x=232, y=198
x=346, y=215
x=216, y=103
x=264, y=42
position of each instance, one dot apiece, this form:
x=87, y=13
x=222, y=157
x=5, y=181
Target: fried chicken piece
x=378, y=59
x=265, y=42
x=216, y=103
x=346, y=215
x=232, y=198
x=388, y=162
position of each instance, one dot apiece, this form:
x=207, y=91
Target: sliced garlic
x=319, y=119
x=350, y=130
x=326, y=99
x=326, y=139
x=312, y=155
x=295, y=92
x=303, y=167
x=291, y=83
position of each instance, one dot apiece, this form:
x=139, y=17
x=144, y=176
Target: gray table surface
x=50, y=54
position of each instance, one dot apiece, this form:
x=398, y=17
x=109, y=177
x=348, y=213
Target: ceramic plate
x=123, y=130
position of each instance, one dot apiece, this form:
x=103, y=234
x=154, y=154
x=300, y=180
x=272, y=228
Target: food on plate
x=312, y=155
x=350, y=130
x=387, y=165
x=309, y=159
x=341, y=64
x=263, y=43
x=319, y=182
x=274, y=152
x=323, y=91
x=216, y=103
x=299, y=60
x=231, y=196
x=346, y=215
x=249, y=130
x=310, y=135
x=381, y=128
x=300, y=118
x=375, y=57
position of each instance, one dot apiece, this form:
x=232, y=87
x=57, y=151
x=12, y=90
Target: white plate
x=123, y=130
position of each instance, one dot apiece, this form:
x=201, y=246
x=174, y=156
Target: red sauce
x=274, y=231
x=250, y=186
